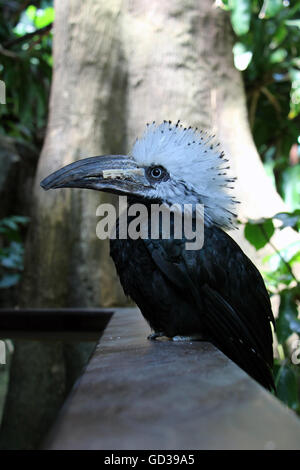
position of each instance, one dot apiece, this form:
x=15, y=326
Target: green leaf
x=279, y=36
x=278, y=56
x=9, y=280
x=31, y=12
x=287, y=386
x=44, y=17
x=20, y=219
x=293, y=23
x=290, y=184
x=295, y=259
x=287, y=321
x=242, y=56
x=259, y=232
x=289, y=219
x=240, y=15
x=224, y=4
x=9, y=223
x=12, y=256
x=272, y=7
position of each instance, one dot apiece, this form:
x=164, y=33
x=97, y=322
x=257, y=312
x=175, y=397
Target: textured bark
x=66, y=263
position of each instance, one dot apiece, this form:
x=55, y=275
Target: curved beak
x=111, y=173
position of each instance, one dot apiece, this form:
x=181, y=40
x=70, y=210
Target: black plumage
x=215, y=292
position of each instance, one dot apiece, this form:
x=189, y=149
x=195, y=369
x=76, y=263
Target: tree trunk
x=180, y=66
x=66, y=263
x=118, y=65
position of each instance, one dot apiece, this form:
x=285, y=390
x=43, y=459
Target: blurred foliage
x=267, y=51
x=11, y=250
x=281, y=281
x=25, y=67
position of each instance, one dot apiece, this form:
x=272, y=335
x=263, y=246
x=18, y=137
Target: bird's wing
x=229, y=292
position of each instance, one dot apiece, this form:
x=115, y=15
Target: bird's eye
x=157, y=174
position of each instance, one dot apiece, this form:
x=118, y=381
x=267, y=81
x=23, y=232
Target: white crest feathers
x=195, y=164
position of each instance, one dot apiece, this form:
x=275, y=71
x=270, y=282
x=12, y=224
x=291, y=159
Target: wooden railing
x=138, y=394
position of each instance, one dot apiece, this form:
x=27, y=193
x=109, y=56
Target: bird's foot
x=188, y=338
x=156, y=334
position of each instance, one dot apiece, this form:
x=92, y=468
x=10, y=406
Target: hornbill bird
x=215, y=293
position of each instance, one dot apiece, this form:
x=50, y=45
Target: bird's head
x=168, y=164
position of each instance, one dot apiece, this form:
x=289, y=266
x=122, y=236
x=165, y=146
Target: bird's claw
x=156, y=334
x=187, y=338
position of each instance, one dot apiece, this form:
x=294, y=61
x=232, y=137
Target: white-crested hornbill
x=214, y=292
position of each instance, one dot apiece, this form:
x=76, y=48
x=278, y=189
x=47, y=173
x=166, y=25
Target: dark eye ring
x=157, y=173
